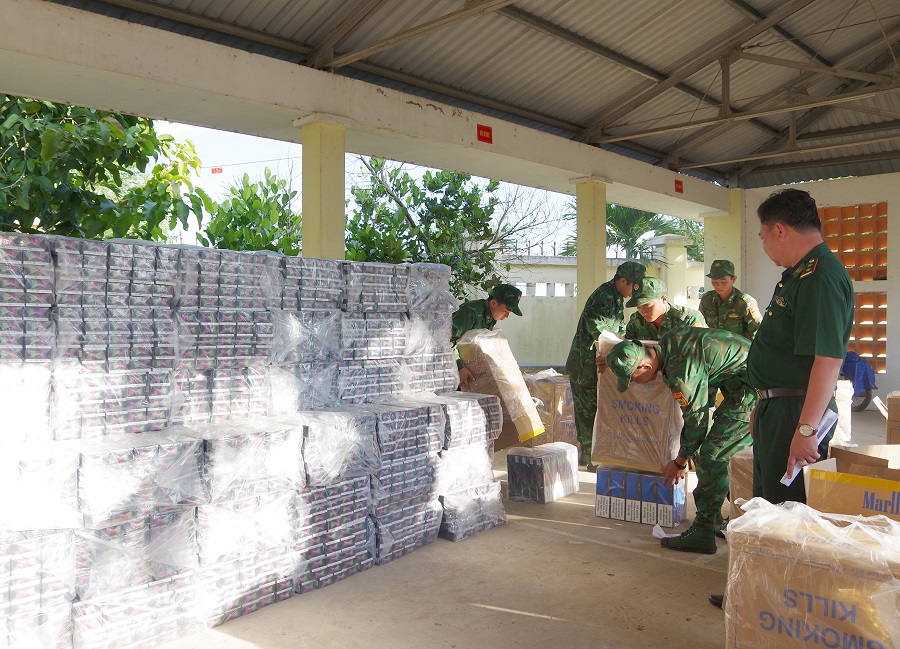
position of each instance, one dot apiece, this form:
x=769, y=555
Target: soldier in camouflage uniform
x=655, y=315
x=483, y=314
x=726, y=307
x=603, y=311
x=695, y=363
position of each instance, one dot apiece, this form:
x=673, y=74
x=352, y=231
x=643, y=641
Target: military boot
x=697, y=538
x=720, y=526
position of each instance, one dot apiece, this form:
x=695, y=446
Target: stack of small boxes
x=639, y=497
x=226, y=510
x=544, y=473
x=469, y=493
x=404, y=506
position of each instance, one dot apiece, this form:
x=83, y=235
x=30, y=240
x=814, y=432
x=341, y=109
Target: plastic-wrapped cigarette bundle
x=544, y=473
x=42, y=476
x=306, y=336
x=471, y=418
x=237, y=587
x=141, y=617
x=369, y=381
x=429, y=289
x=429, y=372
x=239, y=394
x=26, y=335
x=244, y=458
x=801, y=578
x=191, y=398
x=242, y=276
x=303, y=386
x=154, y=545
x=333, y=532
x=428, y=333
x=121, y=475
x=37, y=571
x=374, y=287
x=244, y=527
x=470, y=511
x=322, y=286
x=409, y=426
x=367, y=336
x=406, y=530
x=338, y=444
x=465, y=467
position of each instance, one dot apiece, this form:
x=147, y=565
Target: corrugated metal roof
x=569, y=66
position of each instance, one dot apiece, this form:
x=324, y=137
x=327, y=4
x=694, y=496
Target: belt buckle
x=761, y=394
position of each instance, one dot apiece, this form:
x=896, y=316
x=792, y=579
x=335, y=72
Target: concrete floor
x=555, y=575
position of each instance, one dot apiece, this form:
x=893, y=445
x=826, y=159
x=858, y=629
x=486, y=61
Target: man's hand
x=465, y=375
x=804, y=450
x=601, y=364
x=671, y=473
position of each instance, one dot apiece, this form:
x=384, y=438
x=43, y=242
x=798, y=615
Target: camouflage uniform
x=695, y=363
x=738, y=314
x=811, y=314
x=474, y=314
x=677, y=317
x=604, y=311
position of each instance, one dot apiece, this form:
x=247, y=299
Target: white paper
x=829, y=419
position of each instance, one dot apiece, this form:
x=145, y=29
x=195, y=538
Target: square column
x=590, y=202
x=722, y=235
x=324, y=206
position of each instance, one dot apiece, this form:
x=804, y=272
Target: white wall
x=761, y=274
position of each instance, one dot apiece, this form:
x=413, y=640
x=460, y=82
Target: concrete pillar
x=590, y=199
x=723, y=236
x=672, y=249
x=324, y=217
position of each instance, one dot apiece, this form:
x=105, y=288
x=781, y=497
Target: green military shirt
x=798, y=325
x=738, y=314
x=603, y=311
x=474, y=314
x=677, y=317
x=695, y=363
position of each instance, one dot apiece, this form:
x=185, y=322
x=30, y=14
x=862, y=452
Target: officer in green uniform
x=603, y=311
x=798, y=351
x=695, y=363
x=483, y=314
x=655, y=315
x=726, y=307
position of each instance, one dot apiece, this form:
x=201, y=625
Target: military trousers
x=774, y=423
x=583, y=378
x=726, y=437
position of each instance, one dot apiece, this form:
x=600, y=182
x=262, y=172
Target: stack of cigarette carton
x=469, y=494
x=544, y=473
x=404, y=506
x=429, y=363
x=639, y=497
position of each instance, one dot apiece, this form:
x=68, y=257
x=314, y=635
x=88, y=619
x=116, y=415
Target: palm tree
x=628, y=230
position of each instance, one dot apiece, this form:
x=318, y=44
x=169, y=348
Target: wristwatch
x=806, y=430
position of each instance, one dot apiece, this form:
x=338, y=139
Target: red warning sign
x=485, y=134
x=215, y=170
x=679, y=187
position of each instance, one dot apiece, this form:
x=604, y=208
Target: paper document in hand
x=829, y=419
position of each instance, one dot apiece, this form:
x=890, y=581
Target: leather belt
x=774, y=393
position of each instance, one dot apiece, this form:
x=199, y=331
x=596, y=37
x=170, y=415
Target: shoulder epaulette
x=809, y=267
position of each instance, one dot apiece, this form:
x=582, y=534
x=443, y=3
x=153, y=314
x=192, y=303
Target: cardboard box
x=554, y=405
x=639, y=428
x=639, y=497
x=798, y=579
x=892, y=432
x=740, y=476
x=893, y=406
x=862, y=481
x=487, y=355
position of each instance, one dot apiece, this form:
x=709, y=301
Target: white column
x=590, y=197
x=324, y=218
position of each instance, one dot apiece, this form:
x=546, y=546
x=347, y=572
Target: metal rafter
x=645, y=71
x=812, y=67
x=788, y=8
x=841, y=162
x=798, y=84
x=789, y=38
x=349, y=20
x=800, y=105
x=470, y=10
x=849, y=131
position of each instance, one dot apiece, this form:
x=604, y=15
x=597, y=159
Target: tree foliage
x=443, y=217
x=256, y=215
x=90, y=173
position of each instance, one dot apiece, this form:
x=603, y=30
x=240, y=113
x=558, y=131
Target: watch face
x=806, y=430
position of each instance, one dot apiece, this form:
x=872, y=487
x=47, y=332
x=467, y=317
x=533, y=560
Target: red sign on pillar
x=485, y=134
x=679, y=187
x=215, y=170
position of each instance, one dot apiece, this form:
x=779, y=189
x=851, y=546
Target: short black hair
x=792, y=207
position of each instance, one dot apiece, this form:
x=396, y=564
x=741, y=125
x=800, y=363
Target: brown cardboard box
x=893, y=406
x=866, y=482
x=487, y=355
x=892, y=432
x=798, y=579
x=740, y=476
x=554, y=406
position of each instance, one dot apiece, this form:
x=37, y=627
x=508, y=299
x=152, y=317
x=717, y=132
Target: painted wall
x=761, y=275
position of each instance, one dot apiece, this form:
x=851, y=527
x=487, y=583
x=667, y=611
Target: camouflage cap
x=509, y=295
x=632, y=271
x=623, y=359
x=721, y=268
x=645, y=290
